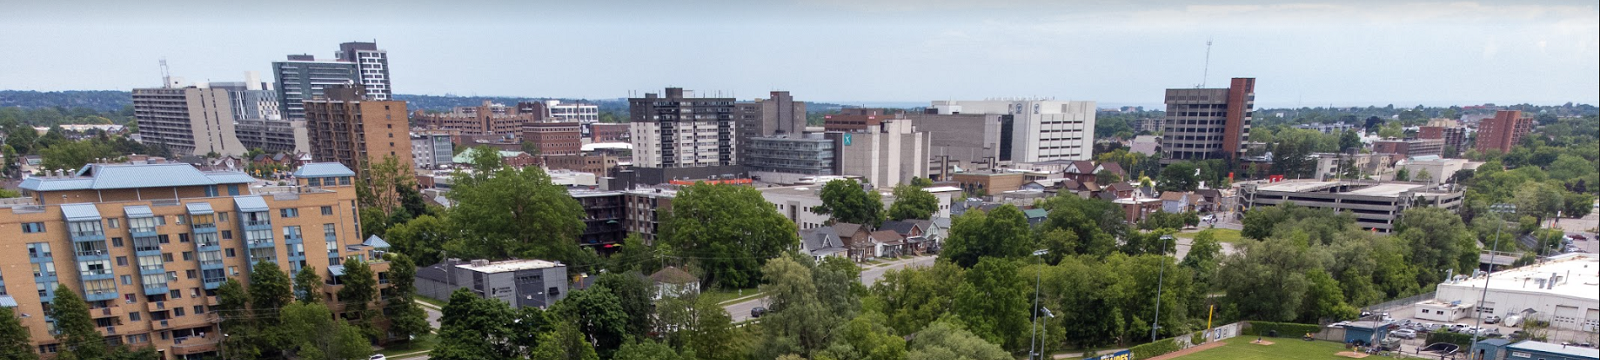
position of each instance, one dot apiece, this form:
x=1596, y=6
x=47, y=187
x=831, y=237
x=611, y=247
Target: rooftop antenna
x=1207, y=70
x=166, y=76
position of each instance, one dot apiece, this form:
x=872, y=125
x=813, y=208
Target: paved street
x=870, y=274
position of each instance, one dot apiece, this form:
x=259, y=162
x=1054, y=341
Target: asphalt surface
x=870, y=273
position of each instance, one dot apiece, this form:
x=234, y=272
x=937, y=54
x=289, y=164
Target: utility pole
x=1160, y=276
x=1499, y=210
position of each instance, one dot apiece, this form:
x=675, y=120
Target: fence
x=1399, y=303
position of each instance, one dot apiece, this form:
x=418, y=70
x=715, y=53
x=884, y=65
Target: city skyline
x=1305, y=53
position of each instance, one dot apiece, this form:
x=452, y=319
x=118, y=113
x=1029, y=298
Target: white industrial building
x=1039, y=130
x=1564, y=290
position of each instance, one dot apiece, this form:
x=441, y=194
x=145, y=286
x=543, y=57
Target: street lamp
x=1499, y=210
x=1034, y=328
x=1160, y=277
x=1046, y=328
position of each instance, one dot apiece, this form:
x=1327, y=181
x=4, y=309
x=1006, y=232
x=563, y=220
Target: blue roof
x=336, y=270
x=199, y=208
x=1549, y=348
x=138, y=211
x=131, y=176
x=319, y=170
x=80, y=212
x=7, y=301
x=250, y=203
x=375, y=241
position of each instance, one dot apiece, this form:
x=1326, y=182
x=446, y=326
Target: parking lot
x=1556, y=336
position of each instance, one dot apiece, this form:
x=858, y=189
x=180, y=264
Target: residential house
x=1114, y=169
x=887, y=243
x=1178, y=202
x=673, y=282
x=1121, y=190
x=822, y=242
x=911, y=231
x=1210, y=199
x=1080, y=171
x=857, y=240
x=932, y=235
x=1035, y=216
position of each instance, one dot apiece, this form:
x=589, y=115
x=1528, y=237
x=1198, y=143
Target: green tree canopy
x=728, y=231
x=911, y=202
x=308, y=285
x=14, y=339
x=1001, y=233
x=948, y=340
x=77, y=334
x=269, y=290
x=503, y=211
x=846, y=200
x=72, y=155
x=994, y=302
x=1178, y=177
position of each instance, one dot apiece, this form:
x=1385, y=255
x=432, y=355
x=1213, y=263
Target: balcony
x=88, y=234
x=155, y=289
x=101, y=295
x=100, y=274
x=255, y=223
x=152, y=269
x=259, y=244
x=91, y=253
x=160, y=324
x=155, y=306
x=205, y=226
x=137, y=230
x=195, y=344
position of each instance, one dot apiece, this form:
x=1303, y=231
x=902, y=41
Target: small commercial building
x=536, y=283
x=1502, y=349
x=989, y=183
x=1564, y=290
x=1447, y=312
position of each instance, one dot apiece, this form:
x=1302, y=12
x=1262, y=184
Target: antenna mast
x=1207, y=71
x=166, y=77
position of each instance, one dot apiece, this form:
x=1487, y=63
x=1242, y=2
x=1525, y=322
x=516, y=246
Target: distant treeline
x=97, y=100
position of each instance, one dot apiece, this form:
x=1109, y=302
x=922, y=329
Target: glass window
x=33, y=227
x=38, y=250
x=327, y=210
x=289, y=212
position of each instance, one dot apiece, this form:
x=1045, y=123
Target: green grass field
x=1223, y=235
x=1240, y=348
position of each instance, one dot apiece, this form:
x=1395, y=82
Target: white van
x=1512, y=321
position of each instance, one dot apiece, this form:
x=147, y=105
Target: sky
x=1342, y=53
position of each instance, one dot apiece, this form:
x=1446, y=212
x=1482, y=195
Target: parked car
x=758, y=311
x=1404, y=334
x=1456, y=328
x=1491, y=319
x=377, y=357
x=1429, y=327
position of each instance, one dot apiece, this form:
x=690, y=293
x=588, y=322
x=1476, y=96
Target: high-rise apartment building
x=188, y=120
x=1208, y=123
x=147, y=245
x=303, y=77
x=778, y=114
x=679, y=130
x=1499, y=133
x=348, y=128
x=1039, y=130
x=257, y=121
x=372, y=67
x=1451, y=131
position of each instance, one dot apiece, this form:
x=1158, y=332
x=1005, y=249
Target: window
x=44, y=269
x=33, y=227
x=150, y=263
x=47, y=288
x=329, y=231
x=154, y=280
x=38, y=250
x=199, y=309
x=142, y=225
x=230, y=252
x=227, y=234
x=175, y=294
x=116, y=242
x=189, y=274
x=291, y=233
x=135, y=316
x=233, y=190
x=166, y=256
x=179, y=219
x=115, y=223
x=183, y=238
x=122, y=261
x=94, y=267
x=127, y=280
x=164, y=239
x=223, y=216
x=177, y=311
x=188, y=255
x=233, y=271
x=327, y=210
x=289, y=213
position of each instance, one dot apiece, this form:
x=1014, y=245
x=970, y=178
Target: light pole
x=1034, y=337
x=1160, y=277
x=1046, y=328
x=1499, y=210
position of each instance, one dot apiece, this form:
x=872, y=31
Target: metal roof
x=132, y=176
x=80, y=212
x=199, y=208
x=375, y=241
x=319, y=170
x=7, y=301
x=137, y=211
x=336, y=270
x=250, y=203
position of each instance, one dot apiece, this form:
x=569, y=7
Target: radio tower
x=1207, y=71
x=166, y=77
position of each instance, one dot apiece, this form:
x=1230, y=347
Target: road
x=870, y=273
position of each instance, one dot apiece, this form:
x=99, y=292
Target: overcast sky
x=1113, y=52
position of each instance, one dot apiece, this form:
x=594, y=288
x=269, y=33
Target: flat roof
x=510, y=265
x=1384, y=189
x=1583, y=283
x=131, y=176
x=940, y=189
x=1389, y=189
x=1555, y=349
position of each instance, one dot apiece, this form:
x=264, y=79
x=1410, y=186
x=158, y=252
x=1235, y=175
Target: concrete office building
x=1039, y=130
x=258, y=123
x=432, y=150
x=147, y=245
x=1376, y=206
x=1502, y=132
x=372, y=67
x=857, y=119
x=1434, y=170
x=1208, y=123
x=188, y=120
x=348, y=128
x=970, y=141
x=303, y=77
x=521, y=283
x=779, y=114
x=1409, y=147
x=601, y=133
x=581, y=113
x=889, y=155
x=679, y=130
x=1562, y=290
x=780, y=157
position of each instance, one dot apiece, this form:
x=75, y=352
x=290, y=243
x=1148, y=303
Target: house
x=1121, y=190
x=1210, y=199
x=857, y=240
x=822, y=242
x=1178, y=202
x=912, y=231
x=1114, y=169
x=887, y=243
x=672, y=282
x=1080, y=171
x=1035, y=216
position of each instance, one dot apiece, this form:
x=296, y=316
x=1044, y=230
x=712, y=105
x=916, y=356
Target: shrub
x=1197, y=338
x=1262, y=328
x=1154, y=349
x=1464, y=340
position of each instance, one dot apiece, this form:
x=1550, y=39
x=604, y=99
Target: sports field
x=1240, y=348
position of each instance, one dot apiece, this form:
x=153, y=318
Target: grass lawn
x=422, y=343
x=1230, y=236
x=1240, y=348
x=429, y=301
x=722, y=295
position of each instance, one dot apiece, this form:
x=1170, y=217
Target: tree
x=1391, y=130
x=314, y=333
x=1002, y=233
x=1267, y=280
x=269, y=291
x=1178, y=177
x=379, y=182
x=994, y=302
x=1349, y=141
x=728, y=231
x=702, y=327
x=1438, y=240
x=846, y=201
x=866, y=338
x=405, y=318
x=948, y=340
x=14, y=339
x=232, y=305
x=921, y=182
x=1402, y=175
x=911, y=202
x=1324, y=299
x=1095, y=224
x=646, y=350
x=796, y=322
x=1107, y=177
x=598, y=314
x=360, y=288
x=72, y=155
x=78, y=337
x=914, y=298
x=474, y=328
x=633, y=292
x=421, y=239
x=308, y=285
x=566, y=342
x=503, y=211
x=635, y=255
